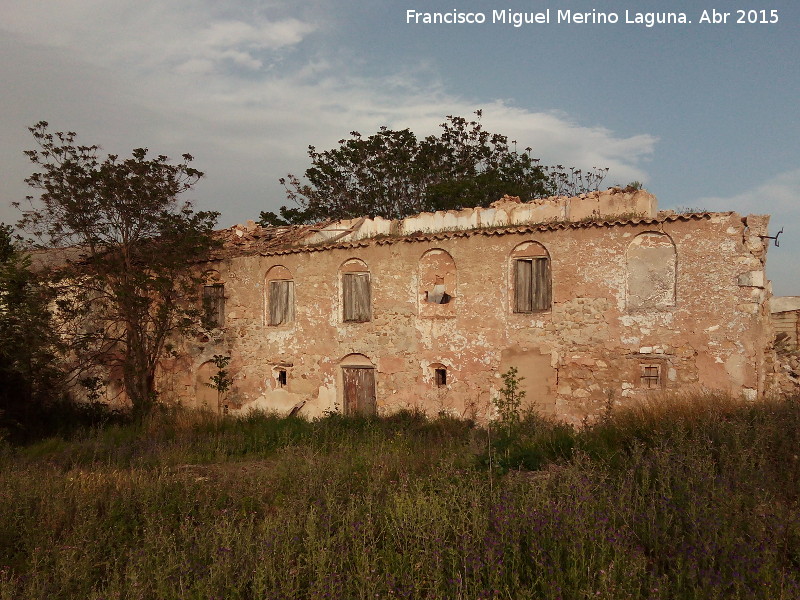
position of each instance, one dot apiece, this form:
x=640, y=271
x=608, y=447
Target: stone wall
x=786, y=324
x=642, y=302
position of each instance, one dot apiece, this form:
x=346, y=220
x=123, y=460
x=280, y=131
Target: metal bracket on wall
x=774, y=238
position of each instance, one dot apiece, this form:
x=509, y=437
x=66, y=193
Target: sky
x=704, y=114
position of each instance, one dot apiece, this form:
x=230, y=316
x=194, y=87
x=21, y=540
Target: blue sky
x=704, y=114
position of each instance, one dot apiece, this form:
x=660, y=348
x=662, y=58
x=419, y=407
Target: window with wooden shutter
x=532, y=284
x=281, y=302
x=213, y=305
x=650, y=376
x=356, y=297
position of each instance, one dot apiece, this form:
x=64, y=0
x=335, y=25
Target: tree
x=129, y=285
x=222, y=381
x=28, y=343
x=393, y=174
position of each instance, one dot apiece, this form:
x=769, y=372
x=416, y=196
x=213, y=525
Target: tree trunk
x=139, y=375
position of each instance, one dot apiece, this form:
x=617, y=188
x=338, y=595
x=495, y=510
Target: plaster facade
x=593, y=299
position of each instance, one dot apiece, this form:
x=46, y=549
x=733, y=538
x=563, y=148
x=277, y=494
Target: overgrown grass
x=693, y=497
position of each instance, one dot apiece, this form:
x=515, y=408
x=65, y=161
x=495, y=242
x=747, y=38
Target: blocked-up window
x=356, y=298
x=214, y=305
x=281, y=302
x=651, y=264
x=532, y=287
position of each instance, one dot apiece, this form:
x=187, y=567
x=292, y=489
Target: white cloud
x=183, y=76
x=558, y=138
x=152, y=35
x=778, y=197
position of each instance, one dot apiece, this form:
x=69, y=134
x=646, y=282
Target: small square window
x=282, y=378
x=650, y=376
x=441, y=377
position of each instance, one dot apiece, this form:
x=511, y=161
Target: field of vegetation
x=682, y=498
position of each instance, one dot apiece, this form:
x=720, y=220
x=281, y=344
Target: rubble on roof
x=509, y=214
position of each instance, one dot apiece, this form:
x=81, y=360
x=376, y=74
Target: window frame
x=648, y=380
x=213, y=305
x=528, y=301
x=437, y=283
x=288, y=316
x=354, y=311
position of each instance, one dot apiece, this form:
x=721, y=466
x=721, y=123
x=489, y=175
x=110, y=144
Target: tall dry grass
x=694, y=497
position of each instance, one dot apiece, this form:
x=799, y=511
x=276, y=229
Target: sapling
x=222, y=381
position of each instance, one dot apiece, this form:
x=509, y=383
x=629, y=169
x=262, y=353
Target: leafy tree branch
x=128, y=286
x=393, y=174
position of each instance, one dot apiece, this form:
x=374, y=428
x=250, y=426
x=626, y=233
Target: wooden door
x=359, y=391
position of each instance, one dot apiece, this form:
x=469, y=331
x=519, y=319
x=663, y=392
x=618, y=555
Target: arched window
x=652, y=262
x=437, y=283
x=358, y=385
x=532, y=281
x=213, y=299
x=279, y=288
x=356, y=291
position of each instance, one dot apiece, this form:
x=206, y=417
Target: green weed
x=693, y=497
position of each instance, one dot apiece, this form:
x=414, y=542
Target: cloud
x=557, y=138
x=244, y=91
x=779, y=192
x=152, y=35
x=778, y=196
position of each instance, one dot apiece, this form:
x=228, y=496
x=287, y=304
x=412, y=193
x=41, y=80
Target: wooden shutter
x=356, y=297
x=359, y=390
x=214, y=304
x=541, y=293
x=532, y=284
x=281, y=302
x=523, y=300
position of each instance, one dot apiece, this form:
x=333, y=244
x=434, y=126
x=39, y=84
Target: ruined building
x=593, y=298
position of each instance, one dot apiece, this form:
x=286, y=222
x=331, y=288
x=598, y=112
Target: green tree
x=393, y=174
x=509, y=402
x=29, y=344
x=127, y=286
x=222, y=381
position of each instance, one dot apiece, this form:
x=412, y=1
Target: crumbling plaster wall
x=608, y=204
x=588, y=348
